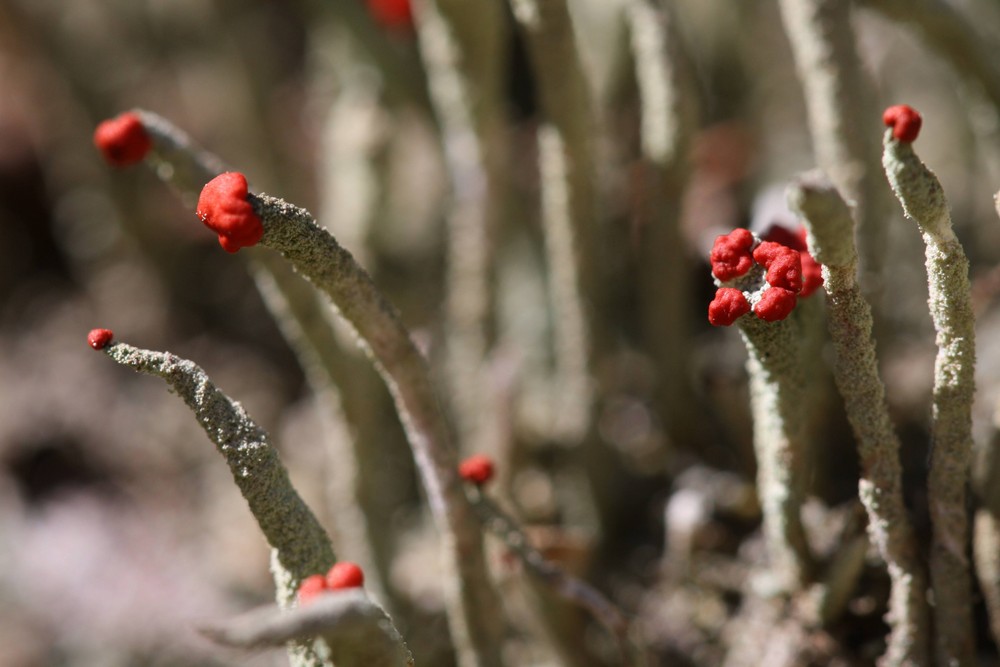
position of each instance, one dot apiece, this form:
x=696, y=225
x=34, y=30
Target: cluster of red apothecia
x=773, y=272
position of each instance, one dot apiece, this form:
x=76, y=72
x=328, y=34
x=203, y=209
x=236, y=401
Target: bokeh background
x=120, y=529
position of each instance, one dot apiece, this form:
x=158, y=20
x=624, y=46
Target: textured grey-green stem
x=668, y=118
x=831, y=241
x=464, y=48
x=569, y=206
x=777, y=385
x=300, y=546
x=473, y=611
x=838, y=100
x=357, y=632
x=302, y=316
x=923, y=200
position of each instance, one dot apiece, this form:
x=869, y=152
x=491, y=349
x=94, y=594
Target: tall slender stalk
x=831, y=241
x=474, y=613
x=923, y=200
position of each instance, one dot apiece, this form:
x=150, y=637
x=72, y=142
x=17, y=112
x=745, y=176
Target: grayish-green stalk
x=777, y=384
x=464, y=48
x=356, y=631
x=474, y=612
x=668, y=116
x=831, y=241
x=838, y=100
x=569, y=207
x=300, y=546
x=305, y=321
x=923, y=200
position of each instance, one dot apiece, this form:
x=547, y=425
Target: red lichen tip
x=784, y=266
x=776, y=303
x=392, y=14
x=730, y=256
x=99, y=338
x=728, y=306
x=345, y=574
x=311, y=587
x=122, y=140
x=477, y=469
x=224, y=209
x=904, y=121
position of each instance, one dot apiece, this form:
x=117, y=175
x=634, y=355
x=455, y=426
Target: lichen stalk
x=831, y=241
x=299, y=545
x=667, y=117
x=838, y=99
x=923, y=201
x=777, y=384
x=472, y=608
x=569, y=207
x=303, y=318
x=463, y=47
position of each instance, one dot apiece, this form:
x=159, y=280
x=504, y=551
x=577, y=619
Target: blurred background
x=120, y=528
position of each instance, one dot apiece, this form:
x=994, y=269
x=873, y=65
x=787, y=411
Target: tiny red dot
x=477, y=469
x=123, y=140
x=345, y=574
x=99, y=338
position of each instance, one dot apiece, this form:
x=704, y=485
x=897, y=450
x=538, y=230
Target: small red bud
x=904, y=121
x=99, y=338
x=730, y=256
x=784, y=266
x=728, y=306
x=776, y=303
x=122, y=140
x=345, y=574
x=311, y=587
x=477, y=469
x=224, y=209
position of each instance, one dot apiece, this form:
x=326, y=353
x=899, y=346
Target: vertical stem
x=831, y=241
x=463, y=45
x=569, y=206
x=923, y=201
x=667, y=118
x=839, y=103
x=776, y=387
